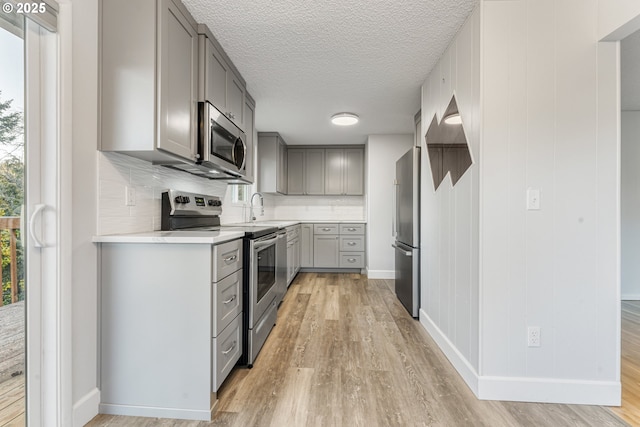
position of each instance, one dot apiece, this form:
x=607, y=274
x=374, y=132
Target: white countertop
x=287, y=223
x=204, y=237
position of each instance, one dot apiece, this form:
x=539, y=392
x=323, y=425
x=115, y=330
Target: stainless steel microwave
x=221, y=144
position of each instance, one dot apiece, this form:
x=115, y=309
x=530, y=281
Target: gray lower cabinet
x=326, y=251
x=306, y=245
x=168, y=336
x=335, y=245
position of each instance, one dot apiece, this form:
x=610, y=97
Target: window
x=239, y=193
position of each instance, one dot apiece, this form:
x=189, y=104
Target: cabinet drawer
x=227, y=300
x=351, y=228
x=352, y=243
x=227, y=258
x=351, y=259
x=227, y=348
x=292, y=232
x=325, y=229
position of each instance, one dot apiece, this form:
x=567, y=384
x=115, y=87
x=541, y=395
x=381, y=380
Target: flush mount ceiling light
x=453, y=119
x=344, y=119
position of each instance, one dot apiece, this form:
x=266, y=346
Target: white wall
x=549, y=123
x=85, y=395
x=382, y=153
x=630, y=206
x=617, y=19
x=547, y=119
x=450, y=239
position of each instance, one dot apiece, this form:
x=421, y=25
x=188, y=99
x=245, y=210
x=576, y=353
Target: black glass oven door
x=266, y=271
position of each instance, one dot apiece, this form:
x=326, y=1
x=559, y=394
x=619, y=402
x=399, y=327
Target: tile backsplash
x=348, y=208
x=118, y=171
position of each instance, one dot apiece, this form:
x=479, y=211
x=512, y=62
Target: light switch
x=533, y=199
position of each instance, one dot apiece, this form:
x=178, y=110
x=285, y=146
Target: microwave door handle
x=244, y=153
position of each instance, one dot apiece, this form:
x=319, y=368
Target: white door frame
x=48, y=182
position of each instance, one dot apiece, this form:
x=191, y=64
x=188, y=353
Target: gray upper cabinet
x=283, y=168
x=333, y=177
x=306, y=171
x=344, y=171
x=272, y=163
x=326, y=171
x=220, y=82
x=314, y=171
x=249, y=128
x=353, y=175
x=295, y=172
x=143, y=110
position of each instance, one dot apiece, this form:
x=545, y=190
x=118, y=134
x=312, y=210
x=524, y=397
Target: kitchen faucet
x=253, y=217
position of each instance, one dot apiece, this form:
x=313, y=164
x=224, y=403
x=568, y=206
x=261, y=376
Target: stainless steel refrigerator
x=406, y=230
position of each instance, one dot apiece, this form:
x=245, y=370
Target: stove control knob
x=187, y=199
x=182, y=199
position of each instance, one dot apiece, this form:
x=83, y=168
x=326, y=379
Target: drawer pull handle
x=231, y=258
x=326, y=229
x=351, y=229
x=233, y=345
x=229, y=300
x=351, y=243
x=351, y=260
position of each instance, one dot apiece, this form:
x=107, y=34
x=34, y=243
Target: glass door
x=12, y=178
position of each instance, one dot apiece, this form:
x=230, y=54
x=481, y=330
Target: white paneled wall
x=539, y=102
x=118, y=171
x=450, y=241
x=549, y=110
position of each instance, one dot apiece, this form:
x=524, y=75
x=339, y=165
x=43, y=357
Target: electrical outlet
x=130, y=196
x=533, y=199
x=533, y=336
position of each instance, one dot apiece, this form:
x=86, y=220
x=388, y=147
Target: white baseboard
x=630, y=297
x=86, y=408
x=153, y=412
x=381, y=274
x=550, y=390
x=522, y=389
x=459, y=362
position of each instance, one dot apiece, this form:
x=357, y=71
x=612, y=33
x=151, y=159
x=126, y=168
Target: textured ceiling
x=630, y=72
x=306, y=60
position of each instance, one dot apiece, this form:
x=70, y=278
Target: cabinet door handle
x=229, y=300
x=231, y=258
x=351, y=229
x=351, y=259
x=233, y=345
x=351, y=243
x=326, y=229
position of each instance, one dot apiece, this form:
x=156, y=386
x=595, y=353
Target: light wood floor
x=630, y=364
x=346, y=353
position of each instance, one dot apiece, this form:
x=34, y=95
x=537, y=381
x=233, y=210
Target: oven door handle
x=264, y=243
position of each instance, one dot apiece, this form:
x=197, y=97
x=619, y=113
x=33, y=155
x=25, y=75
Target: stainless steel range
x=197, y=212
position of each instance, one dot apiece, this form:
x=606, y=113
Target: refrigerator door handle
x=394, y=216
x=406, y=253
